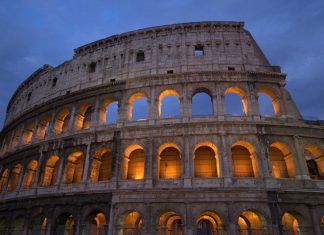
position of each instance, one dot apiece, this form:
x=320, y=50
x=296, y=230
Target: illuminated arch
x=14, y=177
x=38, y=225
x=16, y=138
x=281, y=160
x=43, y=126
x=134, y=161
x=50, y=171
x=131, y=101
x=95, y=223
x=101, y=169
x=244, y=159
x=62, y=120
x=30, y=174
x=4, y=179
x=83, y=116
x=64, y=224
x=251, y=222
x=130, y=223
x=164, y=94
x=74, y=168
x=242, y=94
x=209, y=222
x=291, y=223
x=170, y=222
x=315, y=161
x=275, y=99
x=169, y=161
x=208, y=161
x=105, y=110
x=28, y=132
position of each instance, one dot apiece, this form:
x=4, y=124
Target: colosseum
x=90, y=146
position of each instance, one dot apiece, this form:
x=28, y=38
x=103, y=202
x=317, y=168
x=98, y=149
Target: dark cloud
x=37, y=32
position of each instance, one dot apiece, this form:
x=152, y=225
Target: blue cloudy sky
x=37, y=32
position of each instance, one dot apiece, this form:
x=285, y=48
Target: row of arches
x=206, y=164
x=169, y=222
x=169, y=105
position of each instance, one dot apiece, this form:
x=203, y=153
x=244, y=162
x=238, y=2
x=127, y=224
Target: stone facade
x=65, y=169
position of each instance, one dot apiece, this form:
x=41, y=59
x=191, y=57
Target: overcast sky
x=37, y=32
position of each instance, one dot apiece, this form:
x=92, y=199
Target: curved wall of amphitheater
x=66, y=168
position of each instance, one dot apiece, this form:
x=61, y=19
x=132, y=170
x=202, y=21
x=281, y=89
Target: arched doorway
x=209, y=223
x=251, y=223
x=170, y=223
x=130, y=224
x=95, y=224
x=290, y=224
x=38, y=225
x=64, y=225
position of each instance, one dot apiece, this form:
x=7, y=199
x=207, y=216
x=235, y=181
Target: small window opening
x=29, y=96
x=113, y=80
x=231, y=69
x=199, y=50
x=68, y=92
x=140, y=56
x=54, y=82
x=170, y=71
x=92, y=67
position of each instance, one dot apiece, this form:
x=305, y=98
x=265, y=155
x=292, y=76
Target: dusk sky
x=38, y=32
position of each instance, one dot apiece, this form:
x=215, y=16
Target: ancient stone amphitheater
x=76, y=160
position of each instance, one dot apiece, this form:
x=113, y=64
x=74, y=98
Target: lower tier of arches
x=167, y=212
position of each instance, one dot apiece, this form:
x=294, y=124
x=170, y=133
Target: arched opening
x=17, y=226
x=108, y=112
x=30, y=174
x=50, y=171
x=14, y=177
x=265, y=105
x=130, y=224
x=62, y=120
x=169, y=162
x=95, y=224
x=169, y=104
x=290, y=224
x=315, y=161
x=2, y=225
x=16, y=138
x=6, y=142
x=101, y=169
x=134, y=161
x=38, y=225
x=206, y=160
x=4, y=179
x=74, y=168
x=209, y=223
x=244, y=160
x=136, y=165
x=137, y=107
x=83, y=117
x=235, y=101
x=64, y=224
x=251, y=223
x=43, y=126
x=28, y=132
x=266, y=108
x=202, y=104
x=281, y=160
x=170, y=223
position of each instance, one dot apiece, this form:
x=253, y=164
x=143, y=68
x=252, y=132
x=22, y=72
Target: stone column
x=252, y=100
x=95, y=115
x=220, y=99
x=51, y=125
x=215, y=104
x=60, y=171
x=186, y=163
x=148, y=177
x=262, y=150
x=86, y=167
x=302, y=170
x=21, y=134
x=282, y=102
x=72, y=119
x=226, y=156
x=315, y=220
x=232, y=220
x=152, y=106
x=189, y=226
x=36, y=125
x=39, y=168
